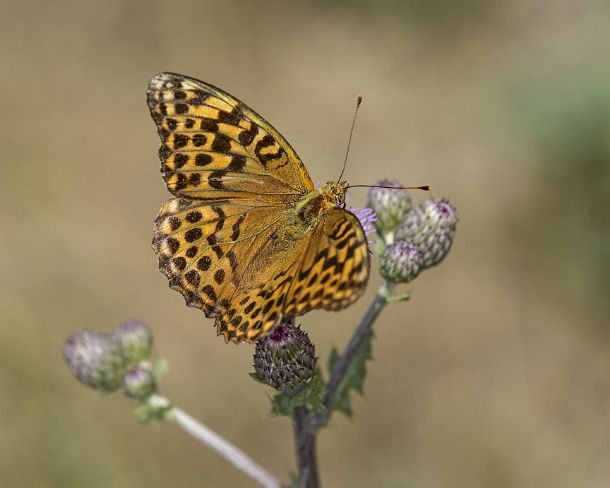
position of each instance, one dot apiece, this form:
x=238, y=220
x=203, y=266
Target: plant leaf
x=256, y=378
x=310, y=395
x=146, y=414
x=160, y=368
x=354, y=376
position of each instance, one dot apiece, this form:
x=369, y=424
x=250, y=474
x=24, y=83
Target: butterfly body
x=248, y=238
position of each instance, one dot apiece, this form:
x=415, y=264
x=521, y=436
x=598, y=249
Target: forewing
x=335, y=266
x=214, y=147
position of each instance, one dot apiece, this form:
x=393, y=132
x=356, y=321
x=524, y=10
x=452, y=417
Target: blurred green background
x=496, y=374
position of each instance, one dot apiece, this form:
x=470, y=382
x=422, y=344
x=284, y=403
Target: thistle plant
x=285, y=359
x=431, y=227
x=388, y=205
x=408, y=241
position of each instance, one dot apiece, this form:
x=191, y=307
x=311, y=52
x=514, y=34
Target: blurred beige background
x=496, y=374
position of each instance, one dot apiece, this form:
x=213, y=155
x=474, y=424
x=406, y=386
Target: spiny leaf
x=354, y=376
x=156, y=408
x=295, y=481
x=310, y=395
x=256, y=378
x=146, y=414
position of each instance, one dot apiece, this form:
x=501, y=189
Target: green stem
x=306, y=423
x=305, y=445
x=360, y=335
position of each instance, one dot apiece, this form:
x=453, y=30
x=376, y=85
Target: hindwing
x=327, y=268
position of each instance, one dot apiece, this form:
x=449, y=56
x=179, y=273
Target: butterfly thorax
x=309, y=209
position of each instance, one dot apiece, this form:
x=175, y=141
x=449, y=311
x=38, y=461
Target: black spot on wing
x=215, y=179
x=209, y=291
x=208, y=125
x=221, y=143
x=180, y=140
x=203, y=159
x=173, y=245
x=204, y=263
x=237, y=163
x=194, y=216
x=199, y=140
x=180, y=159
x=228, y=118
x=181, y=108
x=193, y=277
x=193, y=234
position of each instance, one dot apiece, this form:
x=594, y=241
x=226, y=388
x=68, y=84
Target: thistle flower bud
x=401, y=262
x=95, y=359
x=135, y=340
x=431, y=227
x=285, y=359
x=389, y=205
x=139, y=383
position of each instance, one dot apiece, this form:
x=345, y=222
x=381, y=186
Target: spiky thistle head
x=401, y=262
x=389, y=204
x=430, y=226
x=285, y=359
x=135, y=340
x=139, y=383
x=96, y=360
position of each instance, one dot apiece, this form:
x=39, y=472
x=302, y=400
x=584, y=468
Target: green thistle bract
x=139, y=383
x=135, y=340
x=401, y=262
x=389, y=205
x=96, y=360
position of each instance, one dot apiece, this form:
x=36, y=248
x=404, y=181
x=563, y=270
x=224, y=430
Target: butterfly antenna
x=349, y=142
x=423, y=187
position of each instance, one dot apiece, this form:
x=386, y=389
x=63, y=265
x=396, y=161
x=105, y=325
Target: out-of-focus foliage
x=354, y=377
x=435, y=18
x=564, y=116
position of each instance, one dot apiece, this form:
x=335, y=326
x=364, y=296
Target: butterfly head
x=334, y=192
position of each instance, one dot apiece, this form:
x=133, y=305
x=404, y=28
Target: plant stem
x=216, y=442
x=305, y=445
x=306, y=423
x=362, y=332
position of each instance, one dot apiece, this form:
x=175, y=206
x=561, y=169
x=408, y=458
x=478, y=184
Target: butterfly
x=247, y=237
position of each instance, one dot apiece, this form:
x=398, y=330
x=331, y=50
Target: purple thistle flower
x=367, y=219
x=281, y=335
